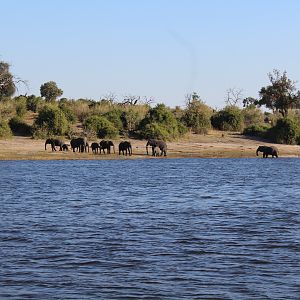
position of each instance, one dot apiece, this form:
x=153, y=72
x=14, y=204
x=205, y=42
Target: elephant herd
x=81, y=144
x=158, y=147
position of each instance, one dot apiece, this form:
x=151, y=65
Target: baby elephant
x=156, y=151
x=267, y=150
x=65, y=147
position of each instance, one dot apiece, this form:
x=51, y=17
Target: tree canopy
x=281, y=95
x=7, y=85
x=50, y=91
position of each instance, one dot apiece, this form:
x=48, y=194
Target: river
x=150, y=229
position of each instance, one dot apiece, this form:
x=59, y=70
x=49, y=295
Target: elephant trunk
x=45, y=146
x=257, y=152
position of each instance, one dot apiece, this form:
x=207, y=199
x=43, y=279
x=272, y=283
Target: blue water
x=150, y=229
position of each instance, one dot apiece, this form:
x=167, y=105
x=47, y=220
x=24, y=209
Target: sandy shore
x=211, y=145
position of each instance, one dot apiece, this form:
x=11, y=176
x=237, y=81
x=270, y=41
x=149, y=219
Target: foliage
x=19, y=127
x=51, y=121
x=197, y=116
x=256, y=130
x=286, y=131
x=252, y=115
x=114, y=116
x=229, y=119
x=7, y=109
x=21, y=106
x=281, y=95
x=100, y=126
x=34, y=103
x=66, y=107
x=5, y=131
x=50, y=91
x=7, y=85
x=132, y=115
x=160, y=123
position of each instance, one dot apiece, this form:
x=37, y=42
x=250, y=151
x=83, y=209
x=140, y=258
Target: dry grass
x=211, y=145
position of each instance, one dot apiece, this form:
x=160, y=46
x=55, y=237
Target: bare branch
x=234, y=96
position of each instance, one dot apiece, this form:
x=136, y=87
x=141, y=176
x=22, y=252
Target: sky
x=159, y=49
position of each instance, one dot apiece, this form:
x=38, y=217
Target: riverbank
x=213, y=145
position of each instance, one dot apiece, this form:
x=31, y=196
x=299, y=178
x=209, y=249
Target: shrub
x=67, y=110
x=100, y=126
x=160, y=122
x=256, y=130
x=252, y=115
x=21, y=106
x=51, y=120
x=19, y=127
x=228, y=119
x=5, y=131
x=114, y=116
x=33, y=103
x=197, y=116
x=286, y=131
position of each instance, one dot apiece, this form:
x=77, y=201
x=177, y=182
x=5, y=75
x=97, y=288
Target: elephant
x=95, y=148
x=65, y=147
x=106, y=145
x=81, y=144
x=267, y=150
x=125, y=147
x=157, y=143
x=53, y=143
x=156, y=151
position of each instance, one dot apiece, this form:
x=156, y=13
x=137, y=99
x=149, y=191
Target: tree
x=50, y=91
x=8, y=82
x=233, y=96
x=281, y=95
x=197, y=115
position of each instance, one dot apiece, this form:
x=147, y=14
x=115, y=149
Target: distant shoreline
x=213, y=145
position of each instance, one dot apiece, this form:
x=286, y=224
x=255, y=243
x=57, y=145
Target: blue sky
x=162, y=49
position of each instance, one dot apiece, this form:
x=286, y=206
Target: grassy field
x=214, y=144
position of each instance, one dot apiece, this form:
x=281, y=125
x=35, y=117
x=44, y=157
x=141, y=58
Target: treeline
x=132, y=117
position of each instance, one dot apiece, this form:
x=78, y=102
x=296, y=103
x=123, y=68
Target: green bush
x=228, y=119
x=34, y=103
x=100, y=126
x=115, y=117
x=5, y=131
x=197, y=116
x=286, y=131
x=67, y=110
x=256, y=130
x=160, y=123
x=19, y=127
x=252, y=115
x=50, y=120
x=21, y=106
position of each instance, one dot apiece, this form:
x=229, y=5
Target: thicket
x=197, y=116
x=101, y=127
x=160, y=123
x=5, y=131
x=50, y=121
x=19, y=127
x=228, y=119
x=286, y=131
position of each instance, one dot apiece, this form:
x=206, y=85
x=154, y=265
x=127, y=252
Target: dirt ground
x=215, y=144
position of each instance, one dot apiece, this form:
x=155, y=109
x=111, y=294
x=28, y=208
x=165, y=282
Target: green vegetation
x=197, y=115
x=286, y=131
x=50, y=91
x=101, y=127
x=160, y=123
x=5, y=131
x=43, y=116
x=51, y=120
x=229, y=119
